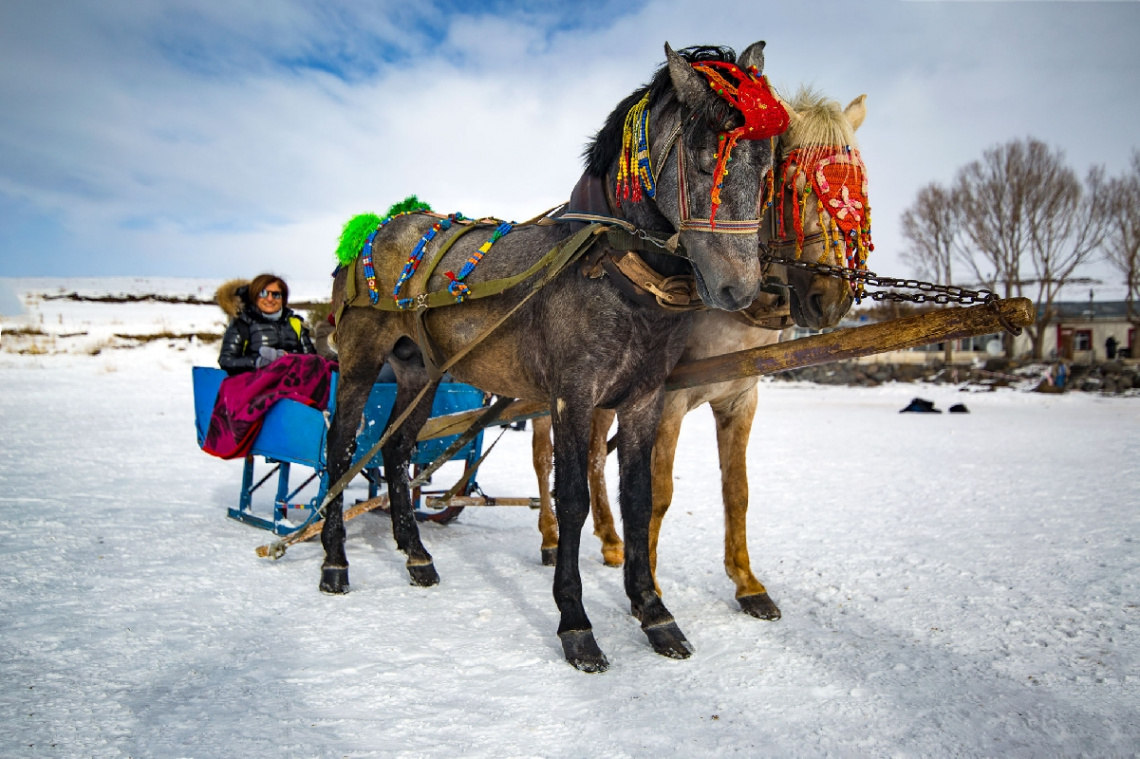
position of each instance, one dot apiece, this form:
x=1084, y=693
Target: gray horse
x=577, y=343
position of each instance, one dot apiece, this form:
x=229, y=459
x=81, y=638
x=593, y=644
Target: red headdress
x=748, y=92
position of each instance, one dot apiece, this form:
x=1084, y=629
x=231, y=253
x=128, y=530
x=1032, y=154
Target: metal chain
x=944, y=293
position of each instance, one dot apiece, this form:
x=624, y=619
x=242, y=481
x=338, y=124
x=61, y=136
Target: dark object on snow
x=921, y=406
x=959, y=408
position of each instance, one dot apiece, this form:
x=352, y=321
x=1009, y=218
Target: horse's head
x=687, y=155
x=819, y=207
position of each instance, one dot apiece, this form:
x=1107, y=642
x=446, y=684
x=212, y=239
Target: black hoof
x=760, y=606
x=549, y=557
x=334, y=580
x=424, y=575
x=581, y=650
x=668, y=640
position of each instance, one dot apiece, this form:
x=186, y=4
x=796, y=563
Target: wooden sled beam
x=840, y=345
x=277, y=548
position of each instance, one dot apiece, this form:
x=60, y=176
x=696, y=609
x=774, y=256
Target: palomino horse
x=819, y=130
x=573, y=341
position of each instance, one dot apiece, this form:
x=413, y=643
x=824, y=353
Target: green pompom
x=407, y=205
x=353, y=235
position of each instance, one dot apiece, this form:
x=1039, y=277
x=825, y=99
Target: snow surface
x=950, y=584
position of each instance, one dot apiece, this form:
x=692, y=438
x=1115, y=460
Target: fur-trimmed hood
x=230, y=297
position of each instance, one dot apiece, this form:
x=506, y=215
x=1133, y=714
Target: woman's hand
x=266, y=356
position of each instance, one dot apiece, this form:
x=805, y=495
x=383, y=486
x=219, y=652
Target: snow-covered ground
x=951, y=585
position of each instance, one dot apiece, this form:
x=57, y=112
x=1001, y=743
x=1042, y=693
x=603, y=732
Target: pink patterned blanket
x=245, y=399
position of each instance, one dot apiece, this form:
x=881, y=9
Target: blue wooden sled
x=293, y=433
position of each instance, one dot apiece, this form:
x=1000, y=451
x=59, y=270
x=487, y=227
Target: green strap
x=495, y=286
x=430, y=269
x=619, y=238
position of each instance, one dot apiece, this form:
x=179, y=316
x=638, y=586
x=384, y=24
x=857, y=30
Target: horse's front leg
x=572, y=503
x=397, y=457
x=637, y=430
x=355, y=383
x=733, y=426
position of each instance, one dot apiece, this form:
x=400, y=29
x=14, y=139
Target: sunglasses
x=275, y=294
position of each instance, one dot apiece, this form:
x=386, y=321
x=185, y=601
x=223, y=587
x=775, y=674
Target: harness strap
x=762, y=316
x=560, y=257
x=486, y=289
x=693, y=224
x=432, y=356
x=676, y=293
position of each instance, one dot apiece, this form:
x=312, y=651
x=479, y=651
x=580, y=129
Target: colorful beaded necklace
x=366, y=257
x=417, y=255
x=458, y=288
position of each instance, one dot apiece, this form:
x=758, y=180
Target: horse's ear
x=753, y=55
x=793, y=116
x=691, y=87
x=856, y=111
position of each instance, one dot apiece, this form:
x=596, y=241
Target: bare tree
x=1024, y=209
x=931, y=227
x=1123, y=245
x=1067, y=225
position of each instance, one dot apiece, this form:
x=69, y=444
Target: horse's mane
x=602, y=152
x=822, y=123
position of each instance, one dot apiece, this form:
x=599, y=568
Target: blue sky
x=216, y=139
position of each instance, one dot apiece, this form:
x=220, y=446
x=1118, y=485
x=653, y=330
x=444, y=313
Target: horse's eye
x=706, y=160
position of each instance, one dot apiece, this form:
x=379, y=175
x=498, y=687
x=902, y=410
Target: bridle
x=688, y=222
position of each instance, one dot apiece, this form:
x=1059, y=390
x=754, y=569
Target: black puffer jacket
x=250, y=330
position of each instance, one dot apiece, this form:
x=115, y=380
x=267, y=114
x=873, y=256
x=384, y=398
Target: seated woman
x=262, y=326
x=269, y=356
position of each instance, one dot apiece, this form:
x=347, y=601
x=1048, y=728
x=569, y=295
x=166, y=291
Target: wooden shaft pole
x=276, y=549
x=897, y=334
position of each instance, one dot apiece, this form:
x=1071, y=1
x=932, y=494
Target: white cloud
x=196, y=134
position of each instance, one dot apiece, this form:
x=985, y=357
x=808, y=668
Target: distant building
x=1080, y=330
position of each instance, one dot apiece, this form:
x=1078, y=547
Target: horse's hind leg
x=542, y=453
x=733, y=426
x=411, y=378
x=358, y=370
x=664, y=453
x=613, y=551
x=637, y=430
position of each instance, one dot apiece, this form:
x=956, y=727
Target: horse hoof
x=424, y=575
x=668, y=640
x=549, y=557
x=613, y=558
x=760, y=606
x=334, y=580
x=581, y=651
